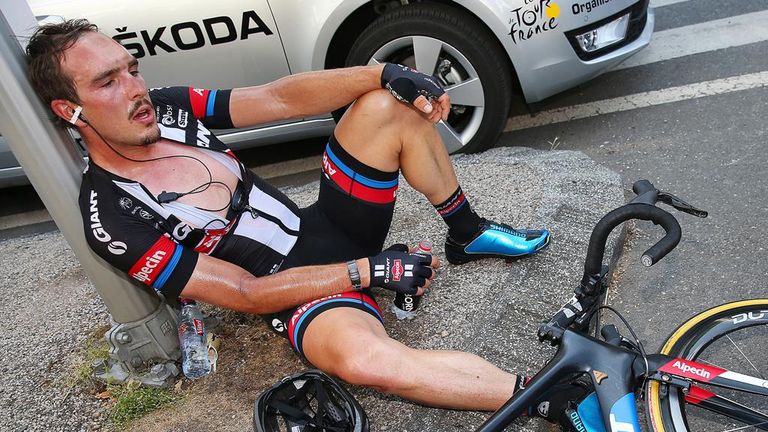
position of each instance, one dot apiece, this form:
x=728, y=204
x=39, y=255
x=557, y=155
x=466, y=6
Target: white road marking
x=698, y=38
x=640, y=100
x=662, y=3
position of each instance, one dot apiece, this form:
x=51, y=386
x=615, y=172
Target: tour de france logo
x=532, y=18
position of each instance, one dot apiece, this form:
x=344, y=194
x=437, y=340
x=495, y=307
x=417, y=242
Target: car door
x=222, y=44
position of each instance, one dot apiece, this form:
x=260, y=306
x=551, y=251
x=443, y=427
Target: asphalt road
x=689, y=114
x=708, y=150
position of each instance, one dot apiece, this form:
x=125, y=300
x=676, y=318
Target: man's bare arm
x=224, y=284
x=302, y=95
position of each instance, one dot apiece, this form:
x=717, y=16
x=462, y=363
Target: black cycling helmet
x=310, y=401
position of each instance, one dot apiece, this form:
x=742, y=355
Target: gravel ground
x=489, y=307
x=48, y=311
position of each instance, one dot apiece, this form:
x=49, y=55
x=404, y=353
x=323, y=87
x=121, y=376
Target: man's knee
x=382, y=105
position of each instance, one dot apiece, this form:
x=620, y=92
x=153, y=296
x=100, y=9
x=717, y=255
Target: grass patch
x=84, y=373
x=96, y=348
x=129, y=401
x=133, y=402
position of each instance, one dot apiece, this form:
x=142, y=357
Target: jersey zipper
x=255, y=214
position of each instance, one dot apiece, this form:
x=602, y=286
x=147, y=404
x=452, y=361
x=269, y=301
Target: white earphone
x=75, y=114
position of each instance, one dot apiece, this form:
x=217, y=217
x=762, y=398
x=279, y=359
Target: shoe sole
x=463, y=258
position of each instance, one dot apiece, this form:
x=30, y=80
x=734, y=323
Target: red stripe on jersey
x=199, y=100
x=212, y=238
x=152, y=263
x=356, y=189
x=231, y=154
x=696, y=395
x=691, y=369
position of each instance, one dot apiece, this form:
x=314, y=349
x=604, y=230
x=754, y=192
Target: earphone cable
x=198, y=189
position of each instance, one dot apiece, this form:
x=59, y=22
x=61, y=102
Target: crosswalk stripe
x=640, y=100
x=704, y=37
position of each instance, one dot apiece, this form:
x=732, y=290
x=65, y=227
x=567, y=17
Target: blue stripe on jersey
x=357, y=177
x=168, y=270
x=210, y=103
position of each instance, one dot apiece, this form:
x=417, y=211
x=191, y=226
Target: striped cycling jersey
x=153, y=242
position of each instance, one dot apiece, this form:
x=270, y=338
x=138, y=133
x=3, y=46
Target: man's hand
x=422, y=91
x=398, y=270
x=434, y=109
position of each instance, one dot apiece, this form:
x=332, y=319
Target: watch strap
x=354, y=275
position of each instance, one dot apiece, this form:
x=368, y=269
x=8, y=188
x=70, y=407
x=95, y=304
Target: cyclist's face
x=112, y=92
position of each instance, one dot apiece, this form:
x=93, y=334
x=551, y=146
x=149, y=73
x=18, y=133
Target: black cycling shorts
x=350, y=220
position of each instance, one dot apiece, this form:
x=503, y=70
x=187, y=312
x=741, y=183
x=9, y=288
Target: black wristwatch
x=354, y=275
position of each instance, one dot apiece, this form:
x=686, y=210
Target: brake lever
x=669, y=199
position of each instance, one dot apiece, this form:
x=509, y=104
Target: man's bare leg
x=388, y=135
x=385, y=134
x=353, y=345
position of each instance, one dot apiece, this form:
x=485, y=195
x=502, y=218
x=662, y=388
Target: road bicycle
x=709, y=375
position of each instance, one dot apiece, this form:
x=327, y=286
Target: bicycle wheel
x=732, y=336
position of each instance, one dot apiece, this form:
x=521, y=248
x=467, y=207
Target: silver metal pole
x=144, y=328
x=52, y=163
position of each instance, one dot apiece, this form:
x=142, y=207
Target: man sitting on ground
x=167, y=202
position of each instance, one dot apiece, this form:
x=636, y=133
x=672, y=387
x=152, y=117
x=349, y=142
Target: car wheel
x=457, y=49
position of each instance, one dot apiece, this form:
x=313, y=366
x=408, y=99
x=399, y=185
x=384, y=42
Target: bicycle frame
x=609, y=368
x=616, y=373
x=683, y=373
x=616, y=366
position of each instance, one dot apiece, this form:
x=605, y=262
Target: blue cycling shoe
x=496, y=240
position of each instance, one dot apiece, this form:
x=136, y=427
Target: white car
x=485, y=52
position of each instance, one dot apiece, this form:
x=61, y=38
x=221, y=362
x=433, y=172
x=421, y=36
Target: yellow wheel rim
x=654, y=402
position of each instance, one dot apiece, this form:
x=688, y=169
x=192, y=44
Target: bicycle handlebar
x=596, y=249
x=642, y=186
x=642, y=207
x=579, y=309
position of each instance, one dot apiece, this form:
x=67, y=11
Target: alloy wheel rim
x=461, y=81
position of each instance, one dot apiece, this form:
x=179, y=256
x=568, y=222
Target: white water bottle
x=404, y=306
x=193, y=341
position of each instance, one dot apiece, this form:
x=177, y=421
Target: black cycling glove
x=397, y=270
x=407, y=84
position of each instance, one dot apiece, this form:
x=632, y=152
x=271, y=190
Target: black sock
x=520, y=382
x=462, y=222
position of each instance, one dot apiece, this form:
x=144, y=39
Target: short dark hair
x=44, y=53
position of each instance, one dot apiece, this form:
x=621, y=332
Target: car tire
x=475, y=64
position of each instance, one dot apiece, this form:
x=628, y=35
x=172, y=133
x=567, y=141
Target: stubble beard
x=151, y=137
